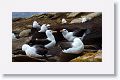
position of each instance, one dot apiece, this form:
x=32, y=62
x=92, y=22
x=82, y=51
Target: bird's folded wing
x=79, y=33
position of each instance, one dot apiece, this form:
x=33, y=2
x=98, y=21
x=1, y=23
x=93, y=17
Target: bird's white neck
x=64, y=33
x=42, y=30
x=50, y=37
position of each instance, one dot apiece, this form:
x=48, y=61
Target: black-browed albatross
x=70, y=36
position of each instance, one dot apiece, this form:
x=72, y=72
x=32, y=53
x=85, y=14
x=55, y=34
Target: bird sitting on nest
x=44, y=27
x=75, y=47
x=39, y=34
x=64, y=21
x=49, y=42
x=34, y=51
x=70, y=36
x=35, y=27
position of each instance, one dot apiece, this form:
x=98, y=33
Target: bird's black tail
x=85, y=33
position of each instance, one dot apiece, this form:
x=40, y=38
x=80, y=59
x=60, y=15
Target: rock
x=89, y=57
x=53, y=13
x=16, y=19
x=17, y=44
x=58, y=16
x=77, y=20
x=53, y=59
x=86, y=18
x=92, y=15
x=93, y=40
x=73, y=14
x=99, y=54
x=18, y=51
x=92, y=47
x=65, y=57
x=24, y=58
x=25, y=33
x=29, y=26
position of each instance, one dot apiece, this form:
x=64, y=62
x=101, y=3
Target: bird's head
x=25, y=47
x=48, y=25
x=64, y=31
x=50, y=35
x=44, y=27
x=34, y=23
x=63, y=21
x=49, y=32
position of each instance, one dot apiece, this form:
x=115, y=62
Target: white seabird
x=84, y=19
x=50, y=38
x=44, y=27
x=64, y=21
x=48, y=25
x=39, y=35
x=36, y=25
x=70, y=36
x=77, y=47
x=13, y=37
x=34, y=51
x=48, y=42
x=67, y=35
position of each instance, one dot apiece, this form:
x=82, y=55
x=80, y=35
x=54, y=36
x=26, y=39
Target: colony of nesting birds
x=75, y=39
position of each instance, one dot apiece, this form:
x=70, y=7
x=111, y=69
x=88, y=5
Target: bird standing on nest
x=77, y=47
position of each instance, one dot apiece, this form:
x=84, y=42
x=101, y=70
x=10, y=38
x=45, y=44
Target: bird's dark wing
x=65, y=45
x=85, y=33
x=41, y=46
x=39, y=42
x=79, y=33
x=41, y=50
x=58, y=36
x=43, y=41
x=88, y=31
x=33, y=30
x=39, y=35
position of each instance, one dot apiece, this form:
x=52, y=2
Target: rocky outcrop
x=73, y=14
x=17, y=44
x=25, y=33
x=89, y=57
x=77, y=20
x=86, y=17
x=92, y=42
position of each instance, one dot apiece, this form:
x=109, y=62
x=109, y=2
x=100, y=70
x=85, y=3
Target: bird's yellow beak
x=54, y=31
x=61, y=30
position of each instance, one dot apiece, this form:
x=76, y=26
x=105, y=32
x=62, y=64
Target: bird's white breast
x=69, y=36
x=31, y=52
x=51, y=44
x=77, y=47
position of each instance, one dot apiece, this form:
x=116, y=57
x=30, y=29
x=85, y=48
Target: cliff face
x=93, y=41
